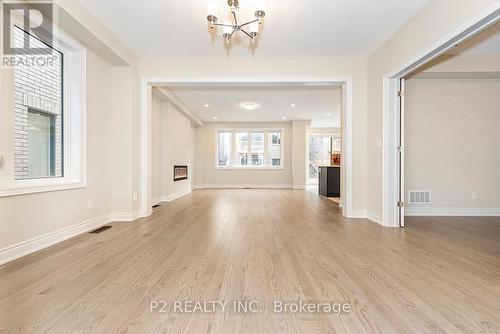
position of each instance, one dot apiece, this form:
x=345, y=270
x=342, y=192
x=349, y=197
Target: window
x=275, y=148
x=257, y=148
x=38, y=114
x=250, y=148
x=48, y=117
x=242, y=148
x=224, y=149
x=42, y=150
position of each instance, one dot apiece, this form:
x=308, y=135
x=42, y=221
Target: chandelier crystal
x=229, y=28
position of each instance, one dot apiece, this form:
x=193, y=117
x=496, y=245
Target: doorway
x=346, y=117
x=321, y=148
x=394, y=197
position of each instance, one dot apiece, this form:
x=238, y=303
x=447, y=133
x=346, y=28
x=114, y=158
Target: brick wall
x=37, y=88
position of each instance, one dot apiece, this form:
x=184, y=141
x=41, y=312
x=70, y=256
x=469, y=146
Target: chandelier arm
x=223, y=25
x=246, y=33
x=235, y=17
x=250, y=22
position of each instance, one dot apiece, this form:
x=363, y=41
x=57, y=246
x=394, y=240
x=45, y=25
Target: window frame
x=73, y=125
x=267, y=159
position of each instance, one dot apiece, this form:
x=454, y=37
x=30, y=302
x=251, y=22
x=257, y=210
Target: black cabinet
x=329, y=181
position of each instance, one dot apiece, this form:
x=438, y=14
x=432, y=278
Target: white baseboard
x=124, y=216
x=357, y=213
x=457, y=212
x=375, y=217
x=298, y=187
x=33, y=245
x=170, y=198
x=241, y=186
x=367, y=214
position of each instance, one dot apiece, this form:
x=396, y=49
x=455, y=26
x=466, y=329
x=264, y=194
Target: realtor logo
x=35, y=18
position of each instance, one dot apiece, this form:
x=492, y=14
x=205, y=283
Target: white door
x=401, y=151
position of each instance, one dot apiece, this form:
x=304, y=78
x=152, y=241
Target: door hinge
x=401, y=93
x=401, y=204
x=400, y=149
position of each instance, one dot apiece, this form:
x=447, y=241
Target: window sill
x=41, y=189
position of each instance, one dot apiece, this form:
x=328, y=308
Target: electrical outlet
x=135, y=196
x=475, y=195
x=90, y=203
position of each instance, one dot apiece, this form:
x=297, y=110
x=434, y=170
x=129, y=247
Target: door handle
x=2, y=162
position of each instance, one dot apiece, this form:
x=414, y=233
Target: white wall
x=109, y=160
x=213, y=177
x=173, y=143
x=425, y=31
x=299, y=154
x=322, y=131
x=452, y=142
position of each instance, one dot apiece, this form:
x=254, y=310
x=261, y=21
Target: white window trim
x=233, y=148
x=74, y=126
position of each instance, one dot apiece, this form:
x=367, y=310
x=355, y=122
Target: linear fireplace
x=180, y=173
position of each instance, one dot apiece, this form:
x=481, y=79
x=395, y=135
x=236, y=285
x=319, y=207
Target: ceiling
x=300, y=28
x=322, y=105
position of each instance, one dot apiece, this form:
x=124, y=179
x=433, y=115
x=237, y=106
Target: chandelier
x=229, y=28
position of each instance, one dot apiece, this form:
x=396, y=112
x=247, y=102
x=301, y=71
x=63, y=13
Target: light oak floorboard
x=438, y=275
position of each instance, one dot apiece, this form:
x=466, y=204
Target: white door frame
x=147, y=83
x=391, y=130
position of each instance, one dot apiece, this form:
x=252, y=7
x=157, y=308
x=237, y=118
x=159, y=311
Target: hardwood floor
x=438, y=275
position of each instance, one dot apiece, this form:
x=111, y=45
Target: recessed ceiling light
x=292, y=105
x=283, y=118
x=328, y=115
x=249, y=106
x=206, y=105
x=215, y=117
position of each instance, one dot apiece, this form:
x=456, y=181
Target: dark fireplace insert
x=180, y=173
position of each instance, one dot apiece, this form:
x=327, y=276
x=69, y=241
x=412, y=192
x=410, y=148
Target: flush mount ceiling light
x=230, y=28
x=206, y=105
x=249, y=106
x=292, y=105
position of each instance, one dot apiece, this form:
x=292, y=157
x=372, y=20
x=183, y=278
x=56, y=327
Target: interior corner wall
x=173, y=143
x=426, y=30
x=451, y=136
x=123, y=108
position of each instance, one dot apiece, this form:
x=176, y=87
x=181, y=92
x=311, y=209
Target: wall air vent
x=100, y=229
x=419, y=197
